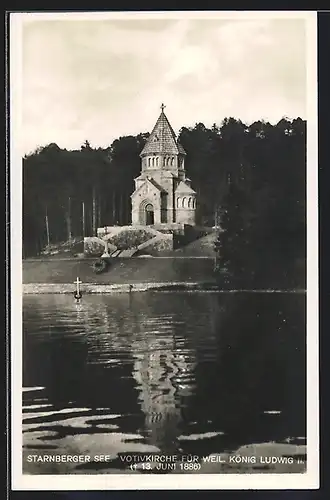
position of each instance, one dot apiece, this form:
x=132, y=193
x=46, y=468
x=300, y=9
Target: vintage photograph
x=164, y=256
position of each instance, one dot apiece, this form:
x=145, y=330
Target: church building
x=163, y=194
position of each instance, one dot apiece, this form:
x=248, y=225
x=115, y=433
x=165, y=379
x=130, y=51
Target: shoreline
x=101, y=288
x=143, y=257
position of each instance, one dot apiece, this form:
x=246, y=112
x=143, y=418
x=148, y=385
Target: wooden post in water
x=78, y=282
x=77, y=294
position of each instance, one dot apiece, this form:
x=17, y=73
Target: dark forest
x=250, y=178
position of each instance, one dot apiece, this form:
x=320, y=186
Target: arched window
x=153, y=161
x=149, y=162
x=157, y=161
x=189, y=202
x=164, y=161
x=178, y=202
x=183, y=202
x=172, y=161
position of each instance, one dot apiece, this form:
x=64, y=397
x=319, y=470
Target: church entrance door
x=150, y=219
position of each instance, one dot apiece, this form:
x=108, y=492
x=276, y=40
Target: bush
x=130, y=238
x=93, y=247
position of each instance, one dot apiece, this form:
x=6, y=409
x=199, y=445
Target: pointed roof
x=162, y=138
x=184, y=188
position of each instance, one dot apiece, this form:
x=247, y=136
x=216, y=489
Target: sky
x=100, y=79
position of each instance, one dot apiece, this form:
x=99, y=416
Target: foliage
x=264, y=238
x=100, y=266
x=254, y=175
x=93, y=247
x=130, y=238
x=234, y=244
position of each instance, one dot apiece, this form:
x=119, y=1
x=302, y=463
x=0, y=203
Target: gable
x=183, y=188
x=149, y=187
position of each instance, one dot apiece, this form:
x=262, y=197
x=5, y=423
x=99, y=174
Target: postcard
x=164, y=250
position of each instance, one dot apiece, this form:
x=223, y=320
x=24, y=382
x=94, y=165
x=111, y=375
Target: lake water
x=160, y=373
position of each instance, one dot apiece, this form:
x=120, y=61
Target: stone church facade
x=163, y=194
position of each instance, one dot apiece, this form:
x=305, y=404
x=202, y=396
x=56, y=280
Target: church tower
x=163, y=194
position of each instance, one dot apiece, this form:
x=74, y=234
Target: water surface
x=169, y=373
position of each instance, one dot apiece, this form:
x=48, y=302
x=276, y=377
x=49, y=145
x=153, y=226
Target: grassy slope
x=202, y=247
x=134, y=270
x=61, y=267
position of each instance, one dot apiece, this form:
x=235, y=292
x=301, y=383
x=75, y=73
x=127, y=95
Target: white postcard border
x=20, y=481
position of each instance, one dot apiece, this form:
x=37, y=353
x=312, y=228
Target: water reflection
x=152, y=342
x=197, y=373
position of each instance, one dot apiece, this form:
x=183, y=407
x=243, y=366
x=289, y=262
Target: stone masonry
x=163, y=194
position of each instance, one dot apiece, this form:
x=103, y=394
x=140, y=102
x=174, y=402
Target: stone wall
x=186, y=216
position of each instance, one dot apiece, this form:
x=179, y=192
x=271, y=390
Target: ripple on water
x=131, y=376
x=32, y=389
x=196, y=437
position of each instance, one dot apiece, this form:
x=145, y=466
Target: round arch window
x=149, y=214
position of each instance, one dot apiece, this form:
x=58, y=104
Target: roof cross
x=162, y=107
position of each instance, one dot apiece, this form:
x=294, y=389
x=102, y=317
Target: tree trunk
x=217, y=216
x=113, y=208
x=121, y=209
x=99, y=213
x=68, y=220
x=94, y=222
x=47, y=228
x=83, y=219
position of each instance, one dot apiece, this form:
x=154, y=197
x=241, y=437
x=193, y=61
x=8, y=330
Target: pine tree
x=233, y=245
